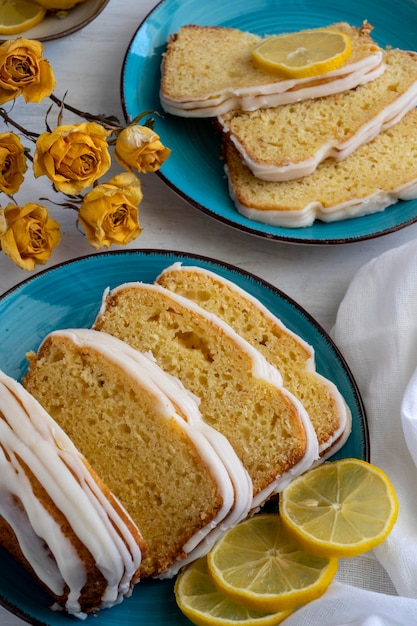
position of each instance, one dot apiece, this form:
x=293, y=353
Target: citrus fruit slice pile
x=304, y=53
x=17, y=16
x=271, y=563
x=254, y=575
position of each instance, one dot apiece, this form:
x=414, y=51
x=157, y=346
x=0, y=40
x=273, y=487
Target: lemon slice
x=203, y=604
x=341, y=508
x=302, y=54
x=258, y=565
x=17, y=16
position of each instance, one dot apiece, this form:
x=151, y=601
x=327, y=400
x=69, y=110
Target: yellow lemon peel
x=304, y=53
x=18, y=16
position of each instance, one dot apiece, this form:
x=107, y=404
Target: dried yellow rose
x=140, y=148
x=23, y=71
x=73, y=157
x=13, y=163
x=109, y=212
x=30, y=236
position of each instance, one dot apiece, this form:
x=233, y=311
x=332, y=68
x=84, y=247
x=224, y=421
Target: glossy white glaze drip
x=386, y=118
x=178, y=266
x=342, y=432
x=277, y=93
x=174, y=402
x=260, y=369
x=357, y=207
x=30, y=437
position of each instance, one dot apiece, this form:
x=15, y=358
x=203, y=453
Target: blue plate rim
x=176, y=255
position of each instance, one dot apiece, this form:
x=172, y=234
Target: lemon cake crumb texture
x=292, y=356
x=57, y=517
x=146, y=459
x=309, y=131
x=380, y=167
x=261, y=421
x=202, y=63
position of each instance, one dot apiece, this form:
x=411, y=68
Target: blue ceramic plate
x=69, y=295
x=194, y=169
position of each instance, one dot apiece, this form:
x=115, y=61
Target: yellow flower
x=24, y=72
x=12, y=163
x=31, y=235
x=3, y=223
x=140, y=148
x=73, y=157
x=109, y=213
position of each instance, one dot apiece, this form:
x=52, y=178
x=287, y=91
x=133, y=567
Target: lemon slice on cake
x=17, y=16
x=304, y=53
x=257, y=565
x=341, y=508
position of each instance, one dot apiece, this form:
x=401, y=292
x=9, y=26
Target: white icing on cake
x=341, y=434
x=279, y=92
x=30, y=437
x=260, y=369
x=386, y=118
x=357, y=207
x=175, y=402
x=178, y=266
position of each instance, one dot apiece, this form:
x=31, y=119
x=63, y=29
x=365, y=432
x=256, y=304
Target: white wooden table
x=87, y=64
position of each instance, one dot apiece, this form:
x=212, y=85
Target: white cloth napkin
x=376, y=331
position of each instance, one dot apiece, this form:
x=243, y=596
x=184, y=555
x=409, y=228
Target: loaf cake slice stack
x=374, y=177
x=208, y=70
x=288, y=352
x=288, y=142
x=157, y=457
x=242, y=395
x=329, y=159
x=57, y=517
x=300, y=156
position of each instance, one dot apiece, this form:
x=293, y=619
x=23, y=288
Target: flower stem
x=29, y=134
x=109, y=122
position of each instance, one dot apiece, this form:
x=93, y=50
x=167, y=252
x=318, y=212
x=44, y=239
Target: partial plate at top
x=53, y=27
x=194, y=169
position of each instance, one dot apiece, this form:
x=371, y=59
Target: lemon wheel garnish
x=17, y=16
x=256, y=564
x=304, y=53
x=341, y=508
x=203, y=604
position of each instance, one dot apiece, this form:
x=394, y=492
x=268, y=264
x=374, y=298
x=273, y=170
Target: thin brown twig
x=111, y=123
x=29, y=134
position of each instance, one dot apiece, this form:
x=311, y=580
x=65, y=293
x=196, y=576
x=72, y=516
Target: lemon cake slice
x=209, y=70
x=289, y=141
x=163, y=468
x=241, y=394
x=288, y=352
x=374, y=177
x=57, y=517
